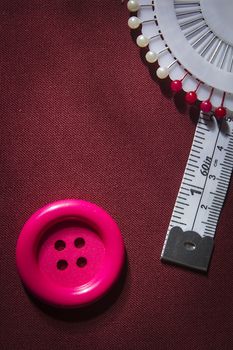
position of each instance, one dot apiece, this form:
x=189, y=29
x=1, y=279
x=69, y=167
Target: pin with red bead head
x=206, y=106
x=220, y=112
x=191, y=96
x=177, y=85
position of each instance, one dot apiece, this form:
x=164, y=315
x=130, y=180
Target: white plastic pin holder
x=193, y=44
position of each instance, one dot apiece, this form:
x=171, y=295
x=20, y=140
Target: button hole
x=79, y=242
x=62, y=264
x=59, y=245
x=81, y=262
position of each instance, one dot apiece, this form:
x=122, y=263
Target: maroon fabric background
x=82, y=117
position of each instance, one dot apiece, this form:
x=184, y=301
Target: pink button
x=70, y=253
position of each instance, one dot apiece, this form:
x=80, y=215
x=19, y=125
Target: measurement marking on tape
x=187, y=179
x=216, y=207
x=177, y=206
x=227, y=163
x=193, y=166
x=199, y=138
x=182, y=198
x=216, y=194
x=191, y=175
x=178, y=212
x=221, y=182
x=193, y=171
x=194, y=156
x=223, y=177
x=182, y=203
x=227, y=169
x=201, y=195
x=196, y=146
x=213, y=216
x=184, y=193
x=194, y=186
x=177, y=222
x=200, y=127
x=215, y=201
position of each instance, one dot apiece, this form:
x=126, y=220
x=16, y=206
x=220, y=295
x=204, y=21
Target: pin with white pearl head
x=134, y=6
x=135, y=22
x=152, y=57
x=143, y=41
x=163, y=72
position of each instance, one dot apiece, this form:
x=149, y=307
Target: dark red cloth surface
x=81, y=117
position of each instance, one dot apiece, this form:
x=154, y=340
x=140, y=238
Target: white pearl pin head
x=151, y=57
x=133, y=5
x=142, y=41
x=162, y=72
x=134, y=22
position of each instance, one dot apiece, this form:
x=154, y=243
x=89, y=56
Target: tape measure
x=189, y=239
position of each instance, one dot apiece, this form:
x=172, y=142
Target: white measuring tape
x=189, y=240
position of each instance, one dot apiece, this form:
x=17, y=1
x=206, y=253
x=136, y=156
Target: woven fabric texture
x=82, y=116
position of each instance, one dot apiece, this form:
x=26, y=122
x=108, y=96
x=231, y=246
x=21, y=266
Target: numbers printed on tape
x=203, y=187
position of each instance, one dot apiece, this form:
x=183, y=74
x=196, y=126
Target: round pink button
x=69, y=253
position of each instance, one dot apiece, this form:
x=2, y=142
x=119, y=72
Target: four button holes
x=61, y=245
